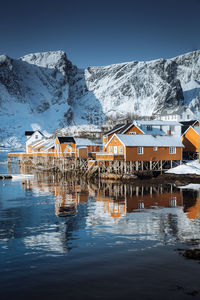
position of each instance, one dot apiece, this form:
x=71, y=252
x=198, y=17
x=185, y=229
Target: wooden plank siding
x=149, y=154
x=131, y=130
x=190, y=140
x=130, y=153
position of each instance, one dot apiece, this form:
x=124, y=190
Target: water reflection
x=159, y=212
x=55, y=214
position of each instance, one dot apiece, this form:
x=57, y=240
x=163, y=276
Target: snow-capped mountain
x=46, y=91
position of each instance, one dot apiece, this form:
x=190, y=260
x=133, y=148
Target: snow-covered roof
x=34, y=143
x=116, y=128
x=153, y=131
x=41, y=144
x=157, y=123
x=86, y=142
x=48, y=145
x=149, y=140
x=66, y=139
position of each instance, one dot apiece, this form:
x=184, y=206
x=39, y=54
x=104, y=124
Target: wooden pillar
x=137, y=191
x=171, y=163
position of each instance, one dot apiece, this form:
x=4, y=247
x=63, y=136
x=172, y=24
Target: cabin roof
x=28, y=133
x=34, y=143
x=66, y=139
x=41, y=144
x=157, y=123
x=87, y=142
x=49, y=144
x=115, y=128
x=122, y=128
x=184, y=128
x=189, y=123
x=149, y=140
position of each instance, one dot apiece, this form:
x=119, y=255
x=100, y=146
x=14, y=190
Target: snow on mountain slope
x=44, y=90
x=33, y=90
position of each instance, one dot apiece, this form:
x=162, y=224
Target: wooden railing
x=108, y=156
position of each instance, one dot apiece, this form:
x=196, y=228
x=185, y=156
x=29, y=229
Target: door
x=115, y=149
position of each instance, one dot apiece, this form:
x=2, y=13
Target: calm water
x=67, y=239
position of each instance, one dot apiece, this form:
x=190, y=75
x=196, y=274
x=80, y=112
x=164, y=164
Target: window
x=36, y=136
x=133, y=132
x=110, y=149
x=155, y=148
x=172, y=128
x=172, y=202
x=160, y=127
x=115, y=149
x=172, y=150
x=120, y=150
x=140, y=150
x=188, y=116
x=149, y=127
x=180, y=116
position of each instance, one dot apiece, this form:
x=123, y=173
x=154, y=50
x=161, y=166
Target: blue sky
x=100, y=32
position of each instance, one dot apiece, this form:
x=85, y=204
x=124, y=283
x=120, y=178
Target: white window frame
x=133, y=132
x=172, y=150
x=140, y=150
x=120, y=150
x=155, y=148
x=110, y=149
x=115, y=149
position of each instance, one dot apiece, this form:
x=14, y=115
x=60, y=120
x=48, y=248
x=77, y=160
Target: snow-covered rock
x=46, y=90
x=191, y=167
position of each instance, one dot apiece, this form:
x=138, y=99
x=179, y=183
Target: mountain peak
x=50, y=59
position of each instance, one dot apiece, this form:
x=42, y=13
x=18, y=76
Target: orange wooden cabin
x=143, y=148
x=128, y=128
x=190, y=139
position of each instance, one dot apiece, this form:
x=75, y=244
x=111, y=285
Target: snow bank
x=191, y=167
x=190, y=186
x=22, y=176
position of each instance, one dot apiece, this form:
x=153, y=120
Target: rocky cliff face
x=44, y=90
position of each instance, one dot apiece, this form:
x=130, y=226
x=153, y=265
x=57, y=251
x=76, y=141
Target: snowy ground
x=191, y=167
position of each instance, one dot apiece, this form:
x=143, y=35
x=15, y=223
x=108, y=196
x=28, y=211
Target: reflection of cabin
x=142, y=148
x=115, y=208
x=191, y=203
x=145, y=197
